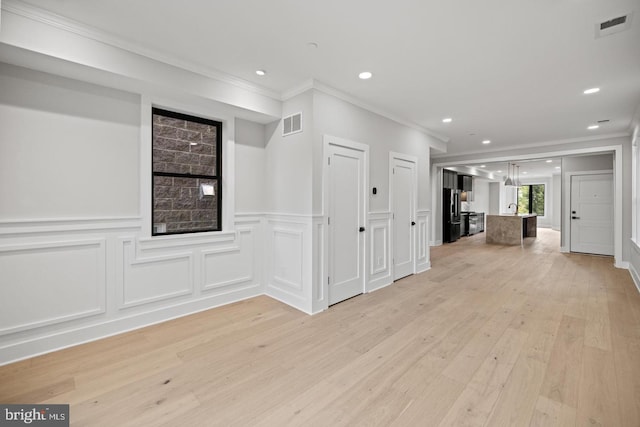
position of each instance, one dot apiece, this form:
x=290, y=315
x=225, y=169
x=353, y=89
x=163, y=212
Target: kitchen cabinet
x=465, y=182
x=449, y=179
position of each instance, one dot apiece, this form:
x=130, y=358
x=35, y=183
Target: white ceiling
x=525, y=169
x=509, y=71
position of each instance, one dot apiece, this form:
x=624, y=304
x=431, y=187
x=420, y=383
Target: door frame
x=323, y=276
x=412, y=159
x=567, y=203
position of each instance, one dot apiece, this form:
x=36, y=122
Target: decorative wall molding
x=151, y=279
x=10, y=228
x=288, y=260
x=233, y=265
x=423, y=258
x=33, y=300
x=379, y=274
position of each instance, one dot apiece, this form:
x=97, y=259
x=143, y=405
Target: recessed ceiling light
x=557, y=167
x=261, y=73
x=483, y=166
x=193, y=143
x=592, y=90
x=549, y=161
x=592, y=127
x=486, y=141
x=524, y=173
x=499, y=171
x=447, y=120
x=312, y=45
x=365, y=75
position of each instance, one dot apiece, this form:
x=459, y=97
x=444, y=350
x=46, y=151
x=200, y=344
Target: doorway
x=403, y=201
x=592, y=214
x=345, y=198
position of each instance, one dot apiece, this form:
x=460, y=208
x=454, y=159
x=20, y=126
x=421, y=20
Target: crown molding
x=534, y=145
x=329, y=90
x=53, y=20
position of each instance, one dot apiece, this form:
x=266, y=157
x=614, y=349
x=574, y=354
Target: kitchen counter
x=509, y=229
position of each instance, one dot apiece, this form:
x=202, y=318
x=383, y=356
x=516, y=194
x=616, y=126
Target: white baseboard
x=425, y=267
x=60, y=340
x=635, y=277
x=622, y=264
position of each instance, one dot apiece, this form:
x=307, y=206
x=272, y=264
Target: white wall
x=288, y=174
x=66, y=149
x=556, y=217
x=340, y=118
x=250, y=167
x=494, y=198
x=481, y=196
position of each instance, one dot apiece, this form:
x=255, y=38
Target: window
x=531, y=199
x=187, y=163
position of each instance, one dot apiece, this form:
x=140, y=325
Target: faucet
x=515, y=206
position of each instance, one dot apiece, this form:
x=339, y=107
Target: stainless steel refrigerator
x=450, y=215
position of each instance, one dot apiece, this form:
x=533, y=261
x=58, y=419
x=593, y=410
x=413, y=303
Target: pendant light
x=516, y=183
x=508, y=182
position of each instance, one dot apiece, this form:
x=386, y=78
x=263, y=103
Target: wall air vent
x=613, y=25
x=292, y=124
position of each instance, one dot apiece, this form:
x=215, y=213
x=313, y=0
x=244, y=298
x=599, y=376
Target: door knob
x=575, y=217
x=361, y=229
x=413, y=223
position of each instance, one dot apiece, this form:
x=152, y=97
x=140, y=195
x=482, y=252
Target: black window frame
x=531, y=197
x=218, y=169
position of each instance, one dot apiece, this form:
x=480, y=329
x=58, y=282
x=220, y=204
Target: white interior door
x=592, y=214
x=346, y=222
x=403, y=194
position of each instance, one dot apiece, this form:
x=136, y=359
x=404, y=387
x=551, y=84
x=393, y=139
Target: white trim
x=329, y=90
x=33, y=226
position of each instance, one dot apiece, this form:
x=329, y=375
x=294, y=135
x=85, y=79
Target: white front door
x=346, y=222
x=592, y=214
x=403, y=193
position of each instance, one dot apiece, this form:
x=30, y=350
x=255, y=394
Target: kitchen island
x=510, y=229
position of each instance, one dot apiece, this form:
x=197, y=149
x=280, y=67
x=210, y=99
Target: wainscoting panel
x=47, y=282
x=320, y=285
x=379, y=251
x=423, y=261
x=228, y=266
x=289, y=269
x=147, y=280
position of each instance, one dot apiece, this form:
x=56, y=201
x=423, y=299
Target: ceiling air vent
x=292, y=124
x=613, y=25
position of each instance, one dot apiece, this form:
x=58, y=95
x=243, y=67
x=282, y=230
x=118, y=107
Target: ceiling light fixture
x=499, y=171
x=261, y=73
x=486, y=141
x=483, y=166
x=592, y=127
x=557, y=167
x=447, y=120
x=312, y=45
x=549, y=161
x=592, y=90
x=508, y=182
x=365, y=75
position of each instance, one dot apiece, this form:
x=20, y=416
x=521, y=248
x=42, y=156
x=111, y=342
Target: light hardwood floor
x=490, y=336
